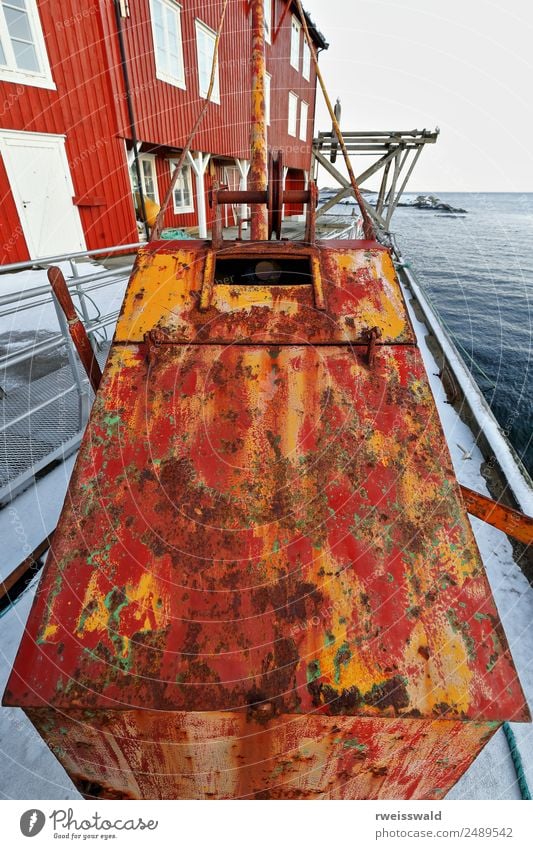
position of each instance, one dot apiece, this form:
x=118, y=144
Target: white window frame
x=268, y=21
x=186, y=172
x=161, y=74
x=268, y=98
x=148, y=157
x=296, y=30
x=215, y=97
x=9, y=72
x=304, y=118
x=292, y=129
x=306, y=61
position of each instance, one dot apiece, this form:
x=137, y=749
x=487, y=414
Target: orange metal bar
x=510, y=521
x=29, y=563
x=258, y=141
x=76, y=329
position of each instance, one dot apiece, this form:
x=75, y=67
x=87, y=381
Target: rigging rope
x=156, y=231
x=517, y=761
x=368, y=227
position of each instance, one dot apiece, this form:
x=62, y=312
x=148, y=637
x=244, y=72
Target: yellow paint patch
x=444, y=678
x=159, y=287
x=145, y=596
x=49, y=632
x=385, y=448
x=416, y=493
x=450, y=675
x=97, y=619
x=236, y=298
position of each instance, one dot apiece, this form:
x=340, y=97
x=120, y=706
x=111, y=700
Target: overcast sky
x=463, y=65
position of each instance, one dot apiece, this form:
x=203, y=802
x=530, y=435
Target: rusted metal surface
x=511, y=522
x=297, y=757
x=372, y=335
x=75, y=326
x=359, y=291
x=264, y=548
x=258, y=134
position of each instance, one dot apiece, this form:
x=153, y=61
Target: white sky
x=463, y=65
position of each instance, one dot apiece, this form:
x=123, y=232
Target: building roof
x=315, y=33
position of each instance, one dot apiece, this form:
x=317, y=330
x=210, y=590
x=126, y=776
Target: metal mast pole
x=258, y=178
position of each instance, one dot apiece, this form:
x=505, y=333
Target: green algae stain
x=313, y=671
x=329, y=639
x=463, y=629
x=353, y=743
x=111, y=423
x=115, y=601
x=101, y=554
x=342, y=657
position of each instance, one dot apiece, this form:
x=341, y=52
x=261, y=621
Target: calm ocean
x=478, y=273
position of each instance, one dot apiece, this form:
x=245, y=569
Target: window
x=183, y=200
x=295, y=43
x=304, y=112
x=268, y=21
x=168, y=47
x=23, y=56
x=268, y=78
x=148, y=177
x=205, y=47
x=306, y=62
x=293, y=113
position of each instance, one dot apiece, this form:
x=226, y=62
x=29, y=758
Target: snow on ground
x=30, y=770
x=33, y=772
x=41, y=318
x=31, y=517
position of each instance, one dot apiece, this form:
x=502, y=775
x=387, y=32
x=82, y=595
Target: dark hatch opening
x=264, y=271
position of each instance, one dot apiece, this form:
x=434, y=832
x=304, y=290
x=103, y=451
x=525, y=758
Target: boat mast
x=258, y=133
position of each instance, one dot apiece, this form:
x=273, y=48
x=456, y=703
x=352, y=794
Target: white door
x=39, y=176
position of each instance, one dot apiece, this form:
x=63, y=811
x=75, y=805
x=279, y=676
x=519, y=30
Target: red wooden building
x=66, y=137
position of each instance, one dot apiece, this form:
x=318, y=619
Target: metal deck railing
x=45, y=396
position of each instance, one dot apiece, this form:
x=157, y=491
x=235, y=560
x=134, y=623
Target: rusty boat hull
x=264, y=583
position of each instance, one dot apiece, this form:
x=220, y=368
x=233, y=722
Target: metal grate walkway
x=42, y=421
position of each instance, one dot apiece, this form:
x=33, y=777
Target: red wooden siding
x=285, y=78
x=165, y=113
x=80, y=109
x=89, y=107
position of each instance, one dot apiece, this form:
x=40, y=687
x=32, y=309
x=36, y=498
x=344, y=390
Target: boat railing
x=45, y=397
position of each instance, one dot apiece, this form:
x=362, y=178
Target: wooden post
x=199, y=164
